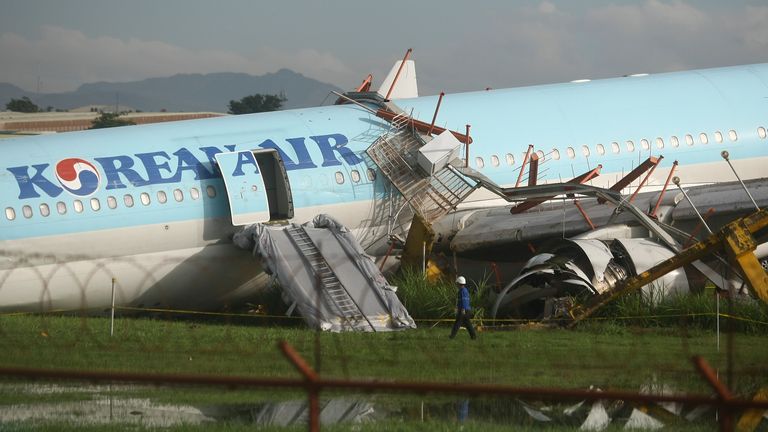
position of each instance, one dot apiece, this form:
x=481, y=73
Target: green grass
x=690, y=312
x=602, y=354
x=599, y=354
x=427, y=300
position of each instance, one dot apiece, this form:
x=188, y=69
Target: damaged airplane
x=157, y=208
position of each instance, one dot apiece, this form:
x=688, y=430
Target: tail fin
x=405, y=87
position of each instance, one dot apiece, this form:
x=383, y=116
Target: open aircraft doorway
x=257, y=185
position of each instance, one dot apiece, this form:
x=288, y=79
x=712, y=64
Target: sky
x=55, y=45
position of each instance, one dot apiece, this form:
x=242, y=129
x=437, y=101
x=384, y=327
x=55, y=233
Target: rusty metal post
x=466, y=162
x=645, y=179
x=584, y=214
x=311, y=377
x=522, y=167
x=664, y=189
x=386, y=256
x=723, y=393
x=397, y=75
x=533, y=171
x=434, y=117
x=695, y=231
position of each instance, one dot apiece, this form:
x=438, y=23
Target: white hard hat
x=460, y=280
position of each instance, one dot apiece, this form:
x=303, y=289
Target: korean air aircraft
x=154, y=207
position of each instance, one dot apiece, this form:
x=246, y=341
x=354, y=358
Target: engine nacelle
x=579, y=268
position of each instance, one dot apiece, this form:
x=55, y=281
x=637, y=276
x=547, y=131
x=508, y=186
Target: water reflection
x=103, y=404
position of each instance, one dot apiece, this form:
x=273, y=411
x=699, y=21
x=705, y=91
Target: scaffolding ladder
x=396, y=154
x=336, y=296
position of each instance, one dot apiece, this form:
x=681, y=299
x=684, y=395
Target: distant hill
x=183, y=92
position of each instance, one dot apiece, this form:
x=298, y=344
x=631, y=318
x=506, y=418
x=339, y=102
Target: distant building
x=39, y=123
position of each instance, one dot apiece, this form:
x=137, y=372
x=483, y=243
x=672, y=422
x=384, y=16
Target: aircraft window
x=732, y=135
x=194, y=193
x=144, y=197
x=162, y=198
x=27, y=211
x=111, y=202
x=645, y=144
x=371, y=174
x=10, y=213
x=689, y=140
x=675, y=142
x=630, y=145
x=128, y=200
x=600, y=149
x=660, y=142
x=211, y=191
x=95, y=204
x=78, y=205
x=44, y=210
x=585, y=150
x=571, y=153
x=703, y=138
x=61, y=207
x=339, y=177
x=355, y=174
x=615, y=147
x=510, y=159
x=178, y=195
x=555, y=154
x=479, y=162
x=761, y=132
x=494, y=160
x=718, y=137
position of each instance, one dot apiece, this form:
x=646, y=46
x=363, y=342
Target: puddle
x=118, y=404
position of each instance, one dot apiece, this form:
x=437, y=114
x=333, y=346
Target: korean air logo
x=77, y=176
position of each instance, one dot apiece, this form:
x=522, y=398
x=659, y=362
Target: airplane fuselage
x=147, y=205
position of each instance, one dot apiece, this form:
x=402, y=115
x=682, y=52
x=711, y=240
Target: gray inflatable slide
x=326, y=276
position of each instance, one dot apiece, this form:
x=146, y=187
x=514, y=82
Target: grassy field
x=599, y=354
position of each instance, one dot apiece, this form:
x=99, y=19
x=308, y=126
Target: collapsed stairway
x=326, y=275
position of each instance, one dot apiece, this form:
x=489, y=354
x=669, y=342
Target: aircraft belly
x=178, y=264
x=208, y=277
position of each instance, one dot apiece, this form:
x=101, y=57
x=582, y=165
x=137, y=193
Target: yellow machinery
x=735, y=238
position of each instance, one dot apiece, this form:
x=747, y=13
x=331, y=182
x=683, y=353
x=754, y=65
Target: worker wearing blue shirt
x=463, y=309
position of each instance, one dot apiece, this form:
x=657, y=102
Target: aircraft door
x=257, y=186
x=245, y=187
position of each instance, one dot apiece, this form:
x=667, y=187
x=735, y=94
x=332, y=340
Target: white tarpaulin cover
x=378, y=304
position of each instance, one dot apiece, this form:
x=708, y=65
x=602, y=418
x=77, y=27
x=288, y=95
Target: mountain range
x=183, y=92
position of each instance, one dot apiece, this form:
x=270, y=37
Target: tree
x=23, y=105
x=256, y=103
x=108, y=120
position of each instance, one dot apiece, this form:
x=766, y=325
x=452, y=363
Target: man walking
x=463, y=309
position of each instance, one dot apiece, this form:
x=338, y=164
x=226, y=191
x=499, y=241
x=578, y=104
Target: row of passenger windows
x=128, y=200
x=145, y=199
x=615, y=147
x=355, y=176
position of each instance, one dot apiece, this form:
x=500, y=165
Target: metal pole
x=112, y=317
x=676, y=181
x=645, y=179
x=466, y=163
x=424, y=258
x=664, y=189
x=724, y=154
x=397, y=75
x=434, y=117
x=522, y=167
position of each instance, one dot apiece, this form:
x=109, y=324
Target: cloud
x=65, y=58
x=549, y=43
x=518, y=44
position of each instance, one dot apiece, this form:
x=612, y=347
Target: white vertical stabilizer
x=405, y=87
